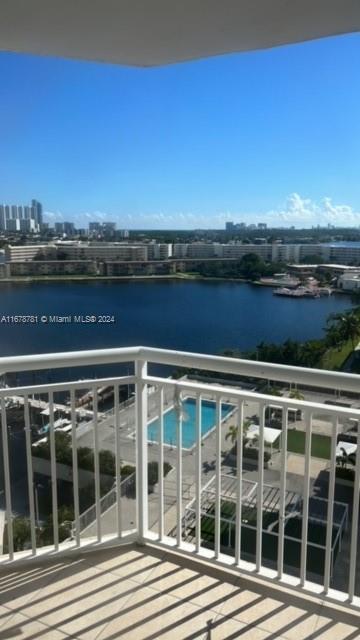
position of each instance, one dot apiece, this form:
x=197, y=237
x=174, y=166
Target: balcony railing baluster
x=75, y=468
x=8, y=506
x=239, y=484
x=97, y=464
x=198, y=474
x=117, y=460
x=330, y=509
x=161, y=463
x=30, y=474
x=218, y=479
x=53, y=472
x=282, y=507
x=306, y=496
x=260, y=488
x=179, y=473
x=141, y=449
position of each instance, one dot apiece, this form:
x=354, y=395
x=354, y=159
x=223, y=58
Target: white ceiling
x=156, y=32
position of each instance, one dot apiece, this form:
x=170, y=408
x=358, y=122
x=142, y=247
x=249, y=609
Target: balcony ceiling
x=158, y=32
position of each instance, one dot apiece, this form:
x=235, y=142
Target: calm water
x=196, y=316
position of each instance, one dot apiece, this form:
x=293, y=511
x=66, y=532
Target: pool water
x=208, y=420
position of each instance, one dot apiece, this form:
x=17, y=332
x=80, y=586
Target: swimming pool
x=208, y=420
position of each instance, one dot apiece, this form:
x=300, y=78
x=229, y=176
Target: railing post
x=141, y=450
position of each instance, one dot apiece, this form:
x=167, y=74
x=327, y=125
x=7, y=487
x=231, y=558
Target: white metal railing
x=88, y=517
x=190, y=462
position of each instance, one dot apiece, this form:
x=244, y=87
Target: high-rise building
x=67, y=228
x=27, y=219
x=38, y=212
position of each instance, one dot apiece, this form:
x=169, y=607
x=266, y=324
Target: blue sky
x=268, y=136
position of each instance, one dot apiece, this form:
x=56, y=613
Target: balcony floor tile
x=143, y=593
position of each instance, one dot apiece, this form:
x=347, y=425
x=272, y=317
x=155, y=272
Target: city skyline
x=270, y=136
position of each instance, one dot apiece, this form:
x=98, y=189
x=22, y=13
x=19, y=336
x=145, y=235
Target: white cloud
x=297, y=210
x=53, y=216
x=301, y=211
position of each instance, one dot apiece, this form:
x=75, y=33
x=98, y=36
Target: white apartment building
x=201, y=250
x=123, y=252
x=29, y=252
x=349, y=281
x=240, y=250
x=345, y=255
x=159, y=251
x=102, y=251
x=180, y=250
x=285, y=253
x=51, y=268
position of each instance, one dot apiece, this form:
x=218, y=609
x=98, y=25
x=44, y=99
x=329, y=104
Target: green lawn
x=335, y=358
x=320, y=445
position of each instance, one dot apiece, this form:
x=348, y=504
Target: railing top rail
x=67, y=359
x=221, y=364
x=253, y=369
x=228, y=393
x=56, y=387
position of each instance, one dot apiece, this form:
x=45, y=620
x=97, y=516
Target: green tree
x=251, y=266
x=21, y=533
x=342, y=327
x=62, y=448
x=296, y=394
x=232, y=433
x=65, y=518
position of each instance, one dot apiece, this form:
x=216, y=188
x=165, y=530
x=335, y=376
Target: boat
x=300, y=292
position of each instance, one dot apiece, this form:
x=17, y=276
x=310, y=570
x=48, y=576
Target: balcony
x=180, y=494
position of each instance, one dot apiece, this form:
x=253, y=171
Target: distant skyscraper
x=37, y=207
x=68, y=228
x=21, y=218
x=94, y=226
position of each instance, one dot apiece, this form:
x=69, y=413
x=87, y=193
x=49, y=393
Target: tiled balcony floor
x=142, y=593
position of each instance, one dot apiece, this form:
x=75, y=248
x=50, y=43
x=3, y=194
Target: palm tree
x=351, y=326
x=233, y=431
x=295, y=394
x=342, y=327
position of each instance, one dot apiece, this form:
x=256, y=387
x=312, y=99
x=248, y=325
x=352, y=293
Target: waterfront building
x=103, y=251
x=159, y=251
x=52, y=268
x=141, y=252
x=349, y=281
x=24, y=253
x=344, y=254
